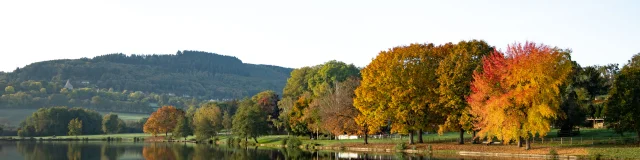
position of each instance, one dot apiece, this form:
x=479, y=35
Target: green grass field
x=14, y=116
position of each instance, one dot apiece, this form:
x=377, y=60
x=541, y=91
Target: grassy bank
x=15, y=116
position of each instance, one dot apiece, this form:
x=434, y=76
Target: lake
x=43, y=150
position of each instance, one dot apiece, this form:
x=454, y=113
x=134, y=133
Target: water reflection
x=37, y=150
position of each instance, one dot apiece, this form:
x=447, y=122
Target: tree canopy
x=517, y=93
x=622, y=109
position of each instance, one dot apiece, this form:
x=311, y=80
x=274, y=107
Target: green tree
x=207, y=121
x=455, y=73
x=183, y=128
x=227, y=121
x=622, y=109
x=110, y=123
x=249, y=121
x=75, y=127
x=9, y=90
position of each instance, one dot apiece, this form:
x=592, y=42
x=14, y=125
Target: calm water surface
x=38, y=150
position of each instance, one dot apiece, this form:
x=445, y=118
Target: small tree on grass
x=110, y=123
x=183, y=128
x=75, y=127
x=207, y=121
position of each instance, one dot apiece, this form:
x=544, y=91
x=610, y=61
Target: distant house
x=344, y=136
x=68, y=85
x=154, y=106
x=85, y=82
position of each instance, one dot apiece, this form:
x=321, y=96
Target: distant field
x=128, y=116
x=15, y=116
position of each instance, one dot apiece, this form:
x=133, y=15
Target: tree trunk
x=246, y=139
x=475, y=139
x=520, y=141
x=410, y=137
x=461, y=140
x=166, y=134
x=255, y=139
x=420, y=136
x=366, y=136
x=638, y=136
x=528, y=140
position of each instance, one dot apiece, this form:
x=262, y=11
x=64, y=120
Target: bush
x=553, y=153
x=293, y=142
x=401, y=146
x=596, y=156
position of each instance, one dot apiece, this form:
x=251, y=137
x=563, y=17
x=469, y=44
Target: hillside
x=200, y=74
x=137, y=83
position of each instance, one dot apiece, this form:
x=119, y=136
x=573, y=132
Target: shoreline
x=423, y=149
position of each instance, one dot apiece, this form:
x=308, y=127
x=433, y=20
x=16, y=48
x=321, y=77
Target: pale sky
x=302, y=33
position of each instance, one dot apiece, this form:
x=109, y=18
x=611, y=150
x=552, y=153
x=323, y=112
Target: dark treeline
x=193, y=73
x=56, y=121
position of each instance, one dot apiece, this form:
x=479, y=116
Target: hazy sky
x=302, y=33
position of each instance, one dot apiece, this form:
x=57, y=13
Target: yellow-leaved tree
x=399, y=86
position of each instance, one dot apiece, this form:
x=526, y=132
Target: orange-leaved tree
x=163, y=120
x=517, y=95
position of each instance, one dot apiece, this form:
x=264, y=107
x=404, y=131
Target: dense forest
x=119, y=82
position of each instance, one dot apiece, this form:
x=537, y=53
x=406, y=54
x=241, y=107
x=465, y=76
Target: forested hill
x=187, y=73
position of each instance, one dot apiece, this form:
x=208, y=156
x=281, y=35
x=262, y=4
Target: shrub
x=553, y=153
x=284, y=141
x=342, y=147
x=293, y=142
x=401, y=146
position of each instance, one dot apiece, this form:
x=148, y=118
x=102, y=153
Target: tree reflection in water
x=37, y=150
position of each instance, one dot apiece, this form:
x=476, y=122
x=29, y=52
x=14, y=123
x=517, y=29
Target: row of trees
x=38, y=94
x=251, y=117
x=72, y=121
x=510, y=96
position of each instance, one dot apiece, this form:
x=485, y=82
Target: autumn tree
x=399, y=85
x=455, y=73
x=268, y=103
x=163, y=120
x=336, y=108
x=517, y=93
x=305, y=85
x=207, y=121
x=75, y=127
x=622, y=109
